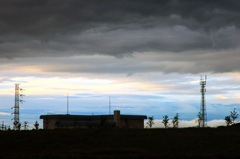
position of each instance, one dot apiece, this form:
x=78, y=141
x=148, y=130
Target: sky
x=148, y=55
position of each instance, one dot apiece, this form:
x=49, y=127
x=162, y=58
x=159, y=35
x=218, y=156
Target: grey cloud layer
x=117, y=28
x=140, y=63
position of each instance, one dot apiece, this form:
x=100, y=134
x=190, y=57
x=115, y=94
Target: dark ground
x=121, y=143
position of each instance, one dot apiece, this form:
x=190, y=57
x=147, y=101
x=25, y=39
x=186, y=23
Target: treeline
x=230, y=120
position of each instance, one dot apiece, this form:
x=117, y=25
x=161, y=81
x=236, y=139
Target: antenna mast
x=203, y=113
x=16, y=119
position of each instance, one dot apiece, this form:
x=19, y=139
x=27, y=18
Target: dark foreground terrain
x=121, y=143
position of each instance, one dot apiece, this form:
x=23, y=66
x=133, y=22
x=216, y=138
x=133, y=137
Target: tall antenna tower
x=18, y=100
x=203, y=113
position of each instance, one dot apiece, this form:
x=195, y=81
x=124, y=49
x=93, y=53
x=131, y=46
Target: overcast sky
x=147, y=54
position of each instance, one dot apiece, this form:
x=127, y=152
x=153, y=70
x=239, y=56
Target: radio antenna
x=203, y=113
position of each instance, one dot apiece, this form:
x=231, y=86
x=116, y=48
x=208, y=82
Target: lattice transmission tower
x=18, y=100
x=203, y=112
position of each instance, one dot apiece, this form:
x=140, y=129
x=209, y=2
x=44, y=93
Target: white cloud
x=220, y=96
x=5, y=114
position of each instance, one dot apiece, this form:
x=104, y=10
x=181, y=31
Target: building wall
x=49, y=123
x=130, y=123
x=116, y=120
x=69, y=124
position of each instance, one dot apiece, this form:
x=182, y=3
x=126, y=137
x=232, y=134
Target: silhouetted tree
x=165, y=121
x=150, y=121
x=234, y=115
x=25, y=125
x=19, y=126
x=36, y=125
x=2, y=126
x=199, y=118
x=228, y=120
x=175, y=121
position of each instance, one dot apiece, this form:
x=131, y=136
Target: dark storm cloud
x=118, y=28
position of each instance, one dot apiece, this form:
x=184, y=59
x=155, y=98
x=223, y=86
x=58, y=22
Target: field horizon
x=122, y=143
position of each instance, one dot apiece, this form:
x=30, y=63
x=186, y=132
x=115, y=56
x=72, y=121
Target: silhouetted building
x=92, y=121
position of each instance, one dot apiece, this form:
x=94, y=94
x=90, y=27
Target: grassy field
x=121, y=143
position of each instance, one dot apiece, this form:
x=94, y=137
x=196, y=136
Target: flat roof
x=79, y=117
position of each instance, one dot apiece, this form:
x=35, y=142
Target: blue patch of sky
x=88, y=104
